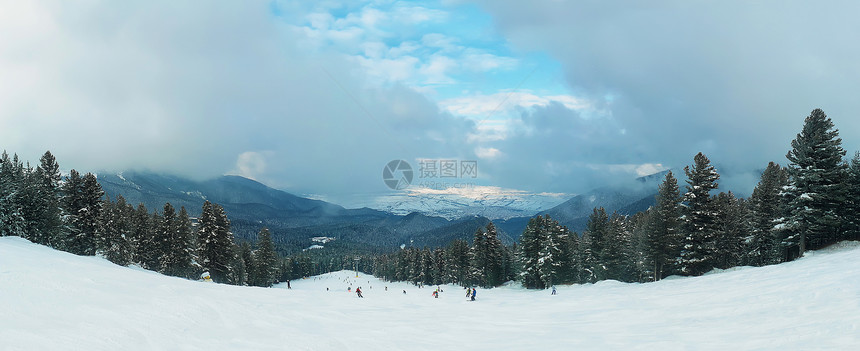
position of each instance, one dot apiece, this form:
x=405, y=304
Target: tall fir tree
x=852, y=220
x=113, y=231
x=216, y=242
x=617, y=256
x=12, y=222
x=245, y=273
x=699, y=244
x=142, y=238
x=179, y=254
x=50, y=222
x=495, y=257
x=167, y=227
x=553, y=256
x=83, y=205
x=732, y=227
x=817, y=191
x=478, y=259
x=265, y=259
x=597, y=231
x=663, y=235
x=529, y=254
x=765, y=214
x=457, y=257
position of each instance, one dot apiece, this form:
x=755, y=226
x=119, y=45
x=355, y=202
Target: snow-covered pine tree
x=597, y=230
x=478, y=259
x=216, y=242
x=587, y=260
x=31, y=205
x=495, y=257
x=732, y=229
x=50, y=219
x=641, y=224
x=244, y=271
x=39, y=202
x=817, y=193
x=852, y=220
x=187, y=242
x=697, y=254
x=553, y=256
x=529, y=254
x=401, y=266
x=178, y=256
x=265, y=259
x=457, y=254
x=440, y=265
x=618, y=250
x=142, y=238
x=12, y=221
x=574, y=269
x=765, y=211
x=83, y=205
x=426, y=266
x=114, y=228
x=662, y=233
x=167, y=227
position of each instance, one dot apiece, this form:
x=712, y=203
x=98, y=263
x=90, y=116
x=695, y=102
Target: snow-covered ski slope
x=51, y=300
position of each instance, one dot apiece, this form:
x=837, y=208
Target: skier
x=474, y=291
x=358, y=292
x=553, y=289
x=205, y=277
x=468, y=292
x=436, y=293
x=288, y=285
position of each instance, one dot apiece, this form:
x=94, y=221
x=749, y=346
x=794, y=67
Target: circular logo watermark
x=397, y=174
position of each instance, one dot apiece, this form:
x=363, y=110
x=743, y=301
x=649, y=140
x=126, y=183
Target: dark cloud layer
x=204, y=89
x=733, y=79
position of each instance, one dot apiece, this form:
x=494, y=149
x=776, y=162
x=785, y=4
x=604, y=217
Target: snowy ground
x=57, y=301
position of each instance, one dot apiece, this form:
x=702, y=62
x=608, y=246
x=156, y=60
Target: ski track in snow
x=51, y=300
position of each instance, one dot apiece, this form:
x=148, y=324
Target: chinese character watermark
x=447, y=168
x=398, y=174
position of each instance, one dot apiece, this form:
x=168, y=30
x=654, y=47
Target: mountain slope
x=58, y=301
x=626, y=199
x=251, y=205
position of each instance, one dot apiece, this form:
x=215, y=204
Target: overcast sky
x=315, y=97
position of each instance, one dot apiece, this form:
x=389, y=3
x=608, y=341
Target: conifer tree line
x=74, y=215
x=485, y=263
x=812, y=202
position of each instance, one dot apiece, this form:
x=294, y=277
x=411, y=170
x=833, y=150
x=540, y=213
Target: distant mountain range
x=294, y=220
x=490, y=202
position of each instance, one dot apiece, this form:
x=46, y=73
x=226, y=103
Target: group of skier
x=470, y=292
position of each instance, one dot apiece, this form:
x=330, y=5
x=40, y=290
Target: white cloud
x=436, y=70
x=481, y=105
x=743, y=74
x=250, y=164
x=488, y=152
x=438, y=40
x=639, y=170
x=367, y=34
x=479, y=61
x=184, y=89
